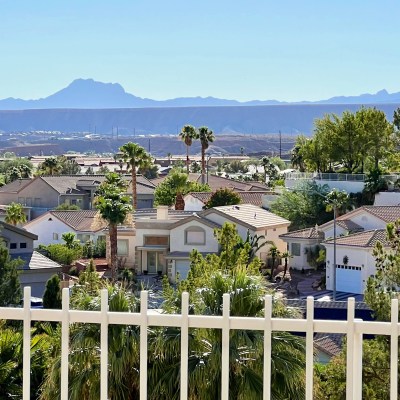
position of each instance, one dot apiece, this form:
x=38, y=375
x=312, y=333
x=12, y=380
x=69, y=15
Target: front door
x=155, y=261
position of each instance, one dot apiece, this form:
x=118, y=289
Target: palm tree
x=114, y=208
x=188, y=134
x=136, y=157
x=178, y=183
x=50, y=165
x=274, y=253
x=206, y=137
x=84, y=370
x=15, y=214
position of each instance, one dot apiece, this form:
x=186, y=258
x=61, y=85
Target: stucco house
x=36, y=269
x=43, y=193
x=356, y=235
x=50, y=226
x=163, y=239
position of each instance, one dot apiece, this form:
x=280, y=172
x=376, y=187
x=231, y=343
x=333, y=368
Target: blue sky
x=255, y=49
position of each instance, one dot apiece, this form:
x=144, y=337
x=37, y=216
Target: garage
x=182, y=267
x=349, y=279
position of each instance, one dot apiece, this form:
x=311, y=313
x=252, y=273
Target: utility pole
x=149, y=147
x=280, y=144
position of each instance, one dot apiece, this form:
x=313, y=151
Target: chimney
x=162, y=212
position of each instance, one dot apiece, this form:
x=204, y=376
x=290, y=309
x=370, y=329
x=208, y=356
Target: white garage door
x=348, y=279
x=182, y=266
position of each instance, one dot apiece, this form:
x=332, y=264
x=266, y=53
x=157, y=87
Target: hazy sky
x=248, y=49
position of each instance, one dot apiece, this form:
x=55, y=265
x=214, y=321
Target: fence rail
x=325, y=176
x=353, y=328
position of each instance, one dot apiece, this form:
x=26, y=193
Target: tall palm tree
x=15, y=214
x=206, y=137
x=136, y=157
x=188, y=134
x=113, y=206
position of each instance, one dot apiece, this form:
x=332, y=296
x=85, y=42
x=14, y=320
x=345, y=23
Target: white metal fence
x=353, y=328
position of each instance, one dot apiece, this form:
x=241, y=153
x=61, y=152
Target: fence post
x=144, y=295
x=350, y=350
x=394, y=349
x=310, y=348
x=26, y=385
x=184, y=345
x=225, y=348
x=64, y=344
x=357, y=360
x=267, y=347
x=104, y=346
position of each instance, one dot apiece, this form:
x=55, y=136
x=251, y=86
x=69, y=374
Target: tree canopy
x=353, y=142
x=223, y=197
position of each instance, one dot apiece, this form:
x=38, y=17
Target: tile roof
x=251, y=197
x=68, y=183
x=252, y=216
x=21, y=231
x=329, y=343
x=217, y=182
x=307, y=233
x=385, y=213
x=80, y=220
x=35, y=260
x=15, y=186
x=362, y=239
x=349, y=225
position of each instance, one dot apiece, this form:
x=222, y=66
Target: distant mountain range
x=89, y=94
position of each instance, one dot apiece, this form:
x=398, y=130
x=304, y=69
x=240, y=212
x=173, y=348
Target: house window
x=195, y=235
x=156, y=240
x=22, y=245
x=55, y=236
x=13, y=246
x=83, y=238
x=21, y=200
x=295, y=249
x=122, y=247
x=29, y=201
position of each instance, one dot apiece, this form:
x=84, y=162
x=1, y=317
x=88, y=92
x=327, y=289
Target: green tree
x=274, y=253
x=223, y=197
x=104, y=170
x=15, y=214
x=187, y=135
x=304, y=206
x=149, y=172
x=10, y=288
x=67, y=207
x=49, y=166
x=113, y=206
x=62, y=254
x=195, y=167
x=136, y=157
x=70, y=240
x=67, y=166
x=89, y=171
x=206, y=136
x=396, y=118
x=174, y=187
x=52, y=293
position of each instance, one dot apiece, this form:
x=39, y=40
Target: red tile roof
x=362, y=239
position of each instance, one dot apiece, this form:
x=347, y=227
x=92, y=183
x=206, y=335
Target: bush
x=62, y=254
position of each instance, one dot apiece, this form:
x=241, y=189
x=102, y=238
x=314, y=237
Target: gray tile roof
x=362, y=239
x=329, y=343
x=15, y=186
x=35, y=260
x=80, y=220
x=385, y=213
x=250, y=215
x=307, y=233
x=69, y=183
x=349, y=225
